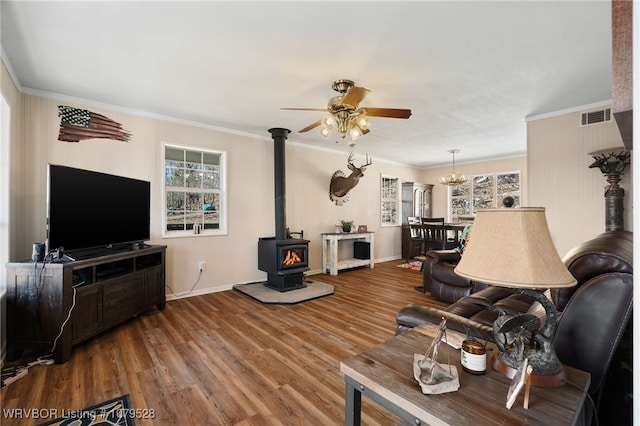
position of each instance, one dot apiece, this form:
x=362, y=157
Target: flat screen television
x=93, y=210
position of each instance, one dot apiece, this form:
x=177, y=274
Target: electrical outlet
x=202, y=266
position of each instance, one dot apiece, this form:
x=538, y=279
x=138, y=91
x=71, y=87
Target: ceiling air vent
x=595, y=117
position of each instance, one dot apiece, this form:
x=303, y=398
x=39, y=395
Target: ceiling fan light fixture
x=328, y=122
x=347, y=121
x=355, y=132
x=343, y=119
x=363, y=121
x=454, y=178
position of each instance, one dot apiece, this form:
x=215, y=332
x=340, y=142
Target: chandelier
x=454, y=178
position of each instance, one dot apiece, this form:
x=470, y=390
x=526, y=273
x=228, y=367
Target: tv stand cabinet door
x=154, y=292
x=87, y=314
x=122, y=298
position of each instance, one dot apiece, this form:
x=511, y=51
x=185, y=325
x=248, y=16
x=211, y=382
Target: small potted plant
x=346, y=225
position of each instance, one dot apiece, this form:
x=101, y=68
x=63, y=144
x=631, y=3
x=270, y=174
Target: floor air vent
x=595, y=117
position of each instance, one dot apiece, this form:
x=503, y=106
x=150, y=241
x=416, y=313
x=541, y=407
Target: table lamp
x=512, y=247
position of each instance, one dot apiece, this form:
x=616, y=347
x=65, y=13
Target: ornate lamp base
x=539, y=380
x=612, y=162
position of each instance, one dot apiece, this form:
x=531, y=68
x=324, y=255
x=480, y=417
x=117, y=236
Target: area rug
x=264, y=294
x=116, y=411
x=414, y=265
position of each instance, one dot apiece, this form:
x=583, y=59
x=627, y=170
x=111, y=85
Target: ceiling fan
x=346, y=115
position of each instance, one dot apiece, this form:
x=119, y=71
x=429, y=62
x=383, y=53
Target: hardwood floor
x=226, y=359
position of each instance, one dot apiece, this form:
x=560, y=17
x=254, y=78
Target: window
x=483, y=191
x=389, y=201
x=194, y=191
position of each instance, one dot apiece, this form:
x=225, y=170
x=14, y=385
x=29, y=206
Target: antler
x=369, y=162
x=350, y=163
x=354, y=168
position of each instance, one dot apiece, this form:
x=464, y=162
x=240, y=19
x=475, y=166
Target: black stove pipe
x=279, y=136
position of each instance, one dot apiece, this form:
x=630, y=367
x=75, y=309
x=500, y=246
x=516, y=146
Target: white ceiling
x=471, y=72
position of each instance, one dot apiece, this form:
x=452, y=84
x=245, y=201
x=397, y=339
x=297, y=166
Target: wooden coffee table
x=384, y=373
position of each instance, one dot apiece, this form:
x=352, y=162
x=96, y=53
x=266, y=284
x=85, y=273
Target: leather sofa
x=441, y=281
x=593, y=316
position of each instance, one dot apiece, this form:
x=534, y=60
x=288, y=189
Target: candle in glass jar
x=473, y=357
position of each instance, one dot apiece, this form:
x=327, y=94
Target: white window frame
x=222, y=191
x=494, y=194
x=387, y=199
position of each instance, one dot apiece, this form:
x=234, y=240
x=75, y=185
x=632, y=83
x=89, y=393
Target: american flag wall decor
x=79, y=124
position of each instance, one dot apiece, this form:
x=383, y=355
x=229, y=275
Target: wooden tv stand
x=104, y=291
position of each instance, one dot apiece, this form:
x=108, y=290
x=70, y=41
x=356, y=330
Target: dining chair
x=433, y=236
x=433, y=240
x=416, y=240
x=436, y=237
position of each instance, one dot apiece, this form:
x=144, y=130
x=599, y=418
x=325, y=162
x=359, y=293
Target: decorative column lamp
x=513, y=248
x=612, y=162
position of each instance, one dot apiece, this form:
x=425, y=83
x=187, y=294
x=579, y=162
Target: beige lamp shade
x=512, y=247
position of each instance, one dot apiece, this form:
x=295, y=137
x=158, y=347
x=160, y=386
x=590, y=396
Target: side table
x=384, y=373
x=330, y=261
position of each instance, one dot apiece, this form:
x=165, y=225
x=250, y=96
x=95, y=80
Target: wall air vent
x=595, y=117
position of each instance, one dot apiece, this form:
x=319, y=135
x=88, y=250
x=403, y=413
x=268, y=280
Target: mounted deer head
x=340, y=184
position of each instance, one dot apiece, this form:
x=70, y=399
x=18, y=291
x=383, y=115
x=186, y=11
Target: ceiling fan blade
x=306, y=109
x=388, y=112
x=310, y=126
x=355, y=95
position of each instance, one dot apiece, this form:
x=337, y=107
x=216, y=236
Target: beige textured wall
x=14, y=100
x=560, y=178
x=10, y=153
x=231, y=259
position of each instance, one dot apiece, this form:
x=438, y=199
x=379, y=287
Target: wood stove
x=284, y=260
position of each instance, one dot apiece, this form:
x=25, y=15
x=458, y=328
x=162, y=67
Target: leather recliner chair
x=441, y=281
